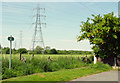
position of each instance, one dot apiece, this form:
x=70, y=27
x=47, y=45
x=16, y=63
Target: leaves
x=115, y=36
x=103, y=32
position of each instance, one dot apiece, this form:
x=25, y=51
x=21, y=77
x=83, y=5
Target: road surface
x=104, y=77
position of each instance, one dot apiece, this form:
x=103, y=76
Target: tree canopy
x=6, y=50
x=38, y=50
x=22, y=50
x=103, y=32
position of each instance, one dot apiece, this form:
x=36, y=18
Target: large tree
x=22, y=50
x=103, y=32
x=38, y=50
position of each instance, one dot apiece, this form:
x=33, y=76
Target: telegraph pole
x=38, y=38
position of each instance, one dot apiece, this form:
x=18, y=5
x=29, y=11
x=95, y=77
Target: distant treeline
x=39, y=50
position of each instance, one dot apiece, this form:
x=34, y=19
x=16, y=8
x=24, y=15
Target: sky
x=63, y=21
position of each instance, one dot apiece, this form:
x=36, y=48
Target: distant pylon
x=37, y=37
x=20, y=44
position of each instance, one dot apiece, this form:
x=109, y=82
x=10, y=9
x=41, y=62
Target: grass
x=64, y=74
x=39, y=64
x=61, y=75
x=40, y=69
x=40, y=55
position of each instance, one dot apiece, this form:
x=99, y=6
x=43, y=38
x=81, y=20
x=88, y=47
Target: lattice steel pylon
x=37, y=37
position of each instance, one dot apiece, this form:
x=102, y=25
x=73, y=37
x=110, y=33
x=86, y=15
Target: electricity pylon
x=37, y=37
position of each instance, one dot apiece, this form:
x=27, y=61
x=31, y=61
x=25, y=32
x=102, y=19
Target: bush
x=8, y=73
x=29, y=69
x=52, y=51
x=91, y=58
x=54, y=66
x=40, y=63
x=88, y=59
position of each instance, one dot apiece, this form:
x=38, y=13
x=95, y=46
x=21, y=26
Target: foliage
x=61, y=75
x=101, y=66
x=103, y=33
x=47, y=47
x=5, y=50
x=14, y=51
x=8, y=73
x=22, y=50
x=52, y=51
x=38, y=65
x=38, y=50
x=88, y=59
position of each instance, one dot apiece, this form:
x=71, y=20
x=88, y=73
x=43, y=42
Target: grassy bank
x=39, y=64
x=63, y=75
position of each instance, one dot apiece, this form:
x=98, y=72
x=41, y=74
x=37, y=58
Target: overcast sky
x=63, y=22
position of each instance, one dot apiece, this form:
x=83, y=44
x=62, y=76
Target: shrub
x=91, y=59
x=8, y=73
x=29, y=69
x=53, y=51
x=54, y=66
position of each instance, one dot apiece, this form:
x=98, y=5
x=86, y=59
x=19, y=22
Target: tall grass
x=38, y=65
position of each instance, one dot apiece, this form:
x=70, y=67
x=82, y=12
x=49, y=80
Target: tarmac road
x=104, y=77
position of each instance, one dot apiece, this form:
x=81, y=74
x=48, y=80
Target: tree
x=6, y=50
x=14, y=51
x=38, y=50
x=22, y=50
x=103, y=33
x=47, y=47
x=53, y=51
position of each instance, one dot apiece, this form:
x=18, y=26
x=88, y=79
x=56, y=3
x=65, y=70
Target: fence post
x=20, y=56
x=95, y=59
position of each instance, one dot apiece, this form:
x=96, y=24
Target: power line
x=91, y=10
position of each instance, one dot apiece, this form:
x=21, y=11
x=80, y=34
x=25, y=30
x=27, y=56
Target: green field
x=42, y=55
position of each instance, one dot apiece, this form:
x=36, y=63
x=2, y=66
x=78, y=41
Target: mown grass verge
x=63, y=75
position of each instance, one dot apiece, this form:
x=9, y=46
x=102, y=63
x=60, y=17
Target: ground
x=104, y=76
